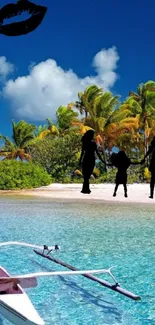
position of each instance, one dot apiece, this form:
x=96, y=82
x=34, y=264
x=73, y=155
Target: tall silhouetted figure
x=122, y=162
x=87, y=158
x=152, y=166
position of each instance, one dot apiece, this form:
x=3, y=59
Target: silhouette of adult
x=151, y=150
x=87, y=158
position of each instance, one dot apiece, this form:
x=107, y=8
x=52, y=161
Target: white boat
x=15, y=305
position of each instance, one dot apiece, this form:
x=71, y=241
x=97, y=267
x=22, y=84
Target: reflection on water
x=86, y=297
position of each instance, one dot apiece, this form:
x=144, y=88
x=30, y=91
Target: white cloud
x=5, y=68
x=39, y=94
x=106, y=60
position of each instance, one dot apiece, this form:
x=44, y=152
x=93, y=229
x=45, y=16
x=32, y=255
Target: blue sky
x=71, y=35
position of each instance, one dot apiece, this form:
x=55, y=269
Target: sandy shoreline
x=137, y=193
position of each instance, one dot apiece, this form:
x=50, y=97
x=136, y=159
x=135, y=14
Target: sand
x=137, y=193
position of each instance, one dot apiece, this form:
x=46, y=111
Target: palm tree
x=49, y=129
x=86, y=99
x=130, y=142
x=108, y=122
x=99, y=115
x=142, y=104
x=113, y=122
x=23, y=133
x=80, y=128
x=39, y=129
x=65, y=117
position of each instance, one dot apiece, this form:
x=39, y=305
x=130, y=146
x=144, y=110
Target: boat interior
x=8, y=286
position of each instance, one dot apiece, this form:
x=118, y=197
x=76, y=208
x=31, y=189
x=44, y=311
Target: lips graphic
x=23, y=27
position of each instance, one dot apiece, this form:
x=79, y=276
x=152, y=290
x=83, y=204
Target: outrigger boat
x=14, y=302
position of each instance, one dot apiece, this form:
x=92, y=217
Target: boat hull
x=16, y=306
x=29, y=315
x=15, y=317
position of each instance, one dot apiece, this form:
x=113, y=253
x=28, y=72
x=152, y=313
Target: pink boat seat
x=6, y=286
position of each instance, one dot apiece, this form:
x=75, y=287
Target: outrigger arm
x=86, y=273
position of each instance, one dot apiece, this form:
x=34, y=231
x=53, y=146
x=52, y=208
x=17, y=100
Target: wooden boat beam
x=115, y=287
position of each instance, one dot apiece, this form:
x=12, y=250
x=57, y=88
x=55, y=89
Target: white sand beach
x=137, y=193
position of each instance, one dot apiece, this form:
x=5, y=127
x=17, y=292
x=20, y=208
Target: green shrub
x=57, y=155
x=19, y=175
x=66, y=180
x=136, y=174
x=108, y=177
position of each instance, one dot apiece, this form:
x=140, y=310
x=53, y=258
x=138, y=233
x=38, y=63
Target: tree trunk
x=109, y=152
x=145, y=120
x=103, y=150
x=145, y=143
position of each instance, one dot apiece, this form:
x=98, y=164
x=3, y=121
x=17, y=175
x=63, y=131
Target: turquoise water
x=93, y=235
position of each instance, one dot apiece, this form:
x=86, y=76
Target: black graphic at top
x=23, y=27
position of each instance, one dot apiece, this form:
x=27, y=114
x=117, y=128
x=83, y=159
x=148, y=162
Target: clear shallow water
x=91, y=236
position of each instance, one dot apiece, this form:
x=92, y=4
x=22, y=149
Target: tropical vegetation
x=18, y=175
x=53, y=149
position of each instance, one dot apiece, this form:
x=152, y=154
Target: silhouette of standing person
x=152, y=166
x=87, y=158
x=122, y=162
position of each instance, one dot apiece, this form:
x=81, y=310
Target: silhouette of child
x=87, y=158
x=122, y=162
x=152, y=166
